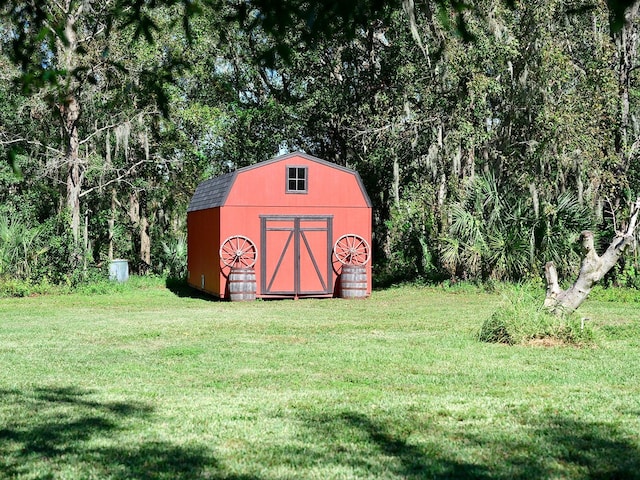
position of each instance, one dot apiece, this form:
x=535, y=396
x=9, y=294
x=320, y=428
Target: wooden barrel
x=242, y=284
x=353, y=281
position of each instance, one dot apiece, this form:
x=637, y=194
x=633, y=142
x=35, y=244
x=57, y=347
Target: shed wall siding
x=203, y=242
x=245, y=220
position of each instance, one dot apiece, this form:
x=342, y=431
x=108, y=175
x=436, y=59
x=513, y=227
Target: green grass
x=139, y=382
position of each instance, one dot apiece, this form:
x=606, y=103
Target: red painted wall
x=266, y=186
x=203, y=243
x=245, y=220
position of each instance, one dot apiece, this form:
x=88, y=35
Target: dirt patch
x=546, y=342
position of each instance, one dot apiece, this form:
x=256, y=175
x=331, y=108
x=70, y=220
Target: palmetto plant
x=175, y=257
x=18, y=247
x=480, y=241
x=466, y=242
x=498, y=235
x=558, y=229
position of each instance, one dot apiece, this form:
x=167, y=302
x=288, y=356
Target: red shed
x=294, y=220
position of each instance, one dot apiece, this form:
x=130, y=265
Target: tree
x=624, y=35
x=62, y=49
x=425, y=98
x=593, y=267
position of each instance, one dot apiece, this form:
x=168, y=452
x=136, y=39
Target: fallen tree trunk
x=593, y=267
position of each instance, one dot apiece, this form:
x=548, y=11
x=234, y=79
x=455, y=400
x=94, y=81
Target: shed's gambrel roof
x=213, y=193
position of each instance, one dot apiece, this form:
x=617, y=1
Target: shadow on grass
x=552, y=447
x=60, y=432
x=49, y=433
x=180, y=288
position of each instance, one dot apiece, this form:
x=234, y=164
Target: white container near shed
x=119, y=270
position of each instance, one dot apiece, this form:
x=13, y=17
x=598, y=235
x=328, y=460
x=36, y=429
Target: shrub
x=18, y=246
x=173, y=257
x=408, y=254
x=523, y=319
x=15, y=287
x=495, y=329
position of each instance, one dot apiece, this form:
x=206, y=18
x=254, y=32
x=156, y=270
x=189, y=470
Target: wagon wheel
x=352, y=249
x=238, y=251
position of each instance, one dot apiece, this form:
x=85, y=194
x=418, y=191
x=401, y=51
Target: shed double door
x=295, y=256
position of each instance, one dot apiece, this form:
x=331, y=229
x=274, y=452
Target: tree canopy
x=489, y=134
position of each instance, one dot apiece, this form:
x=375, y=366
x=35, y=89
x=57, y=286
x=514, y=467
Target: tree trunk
x=112, y=222
x=145, y=242
x=86, y=238
x=626, y=40
x=396, y=181
x=69, y=108
x=592, y=270
x=70, y=112
x=141, y=238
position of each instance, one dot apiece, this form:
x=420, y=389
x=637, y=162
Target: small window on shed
x=296, y=179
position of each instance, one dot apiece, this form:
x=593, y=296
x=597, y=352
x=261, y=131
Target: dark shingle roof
x=212, y=193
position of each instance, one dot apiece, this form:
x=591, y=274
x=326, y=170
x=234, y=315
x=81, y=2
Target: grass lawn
x=144, y=383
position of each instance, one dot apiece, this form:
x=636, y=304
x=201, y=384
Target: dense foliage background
x=487, y=137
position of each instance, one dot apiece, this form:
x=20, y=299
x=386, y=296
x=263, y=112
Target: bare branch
x=371, y=131
x=613, y=215
x=119, y=178
x=94, y=34
x=51, y=29
x=93, y=134
x=9, y=142
x=633, y=221
x=149, y=112
x=30, y=142
x=78, y=11
x=60, y=7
